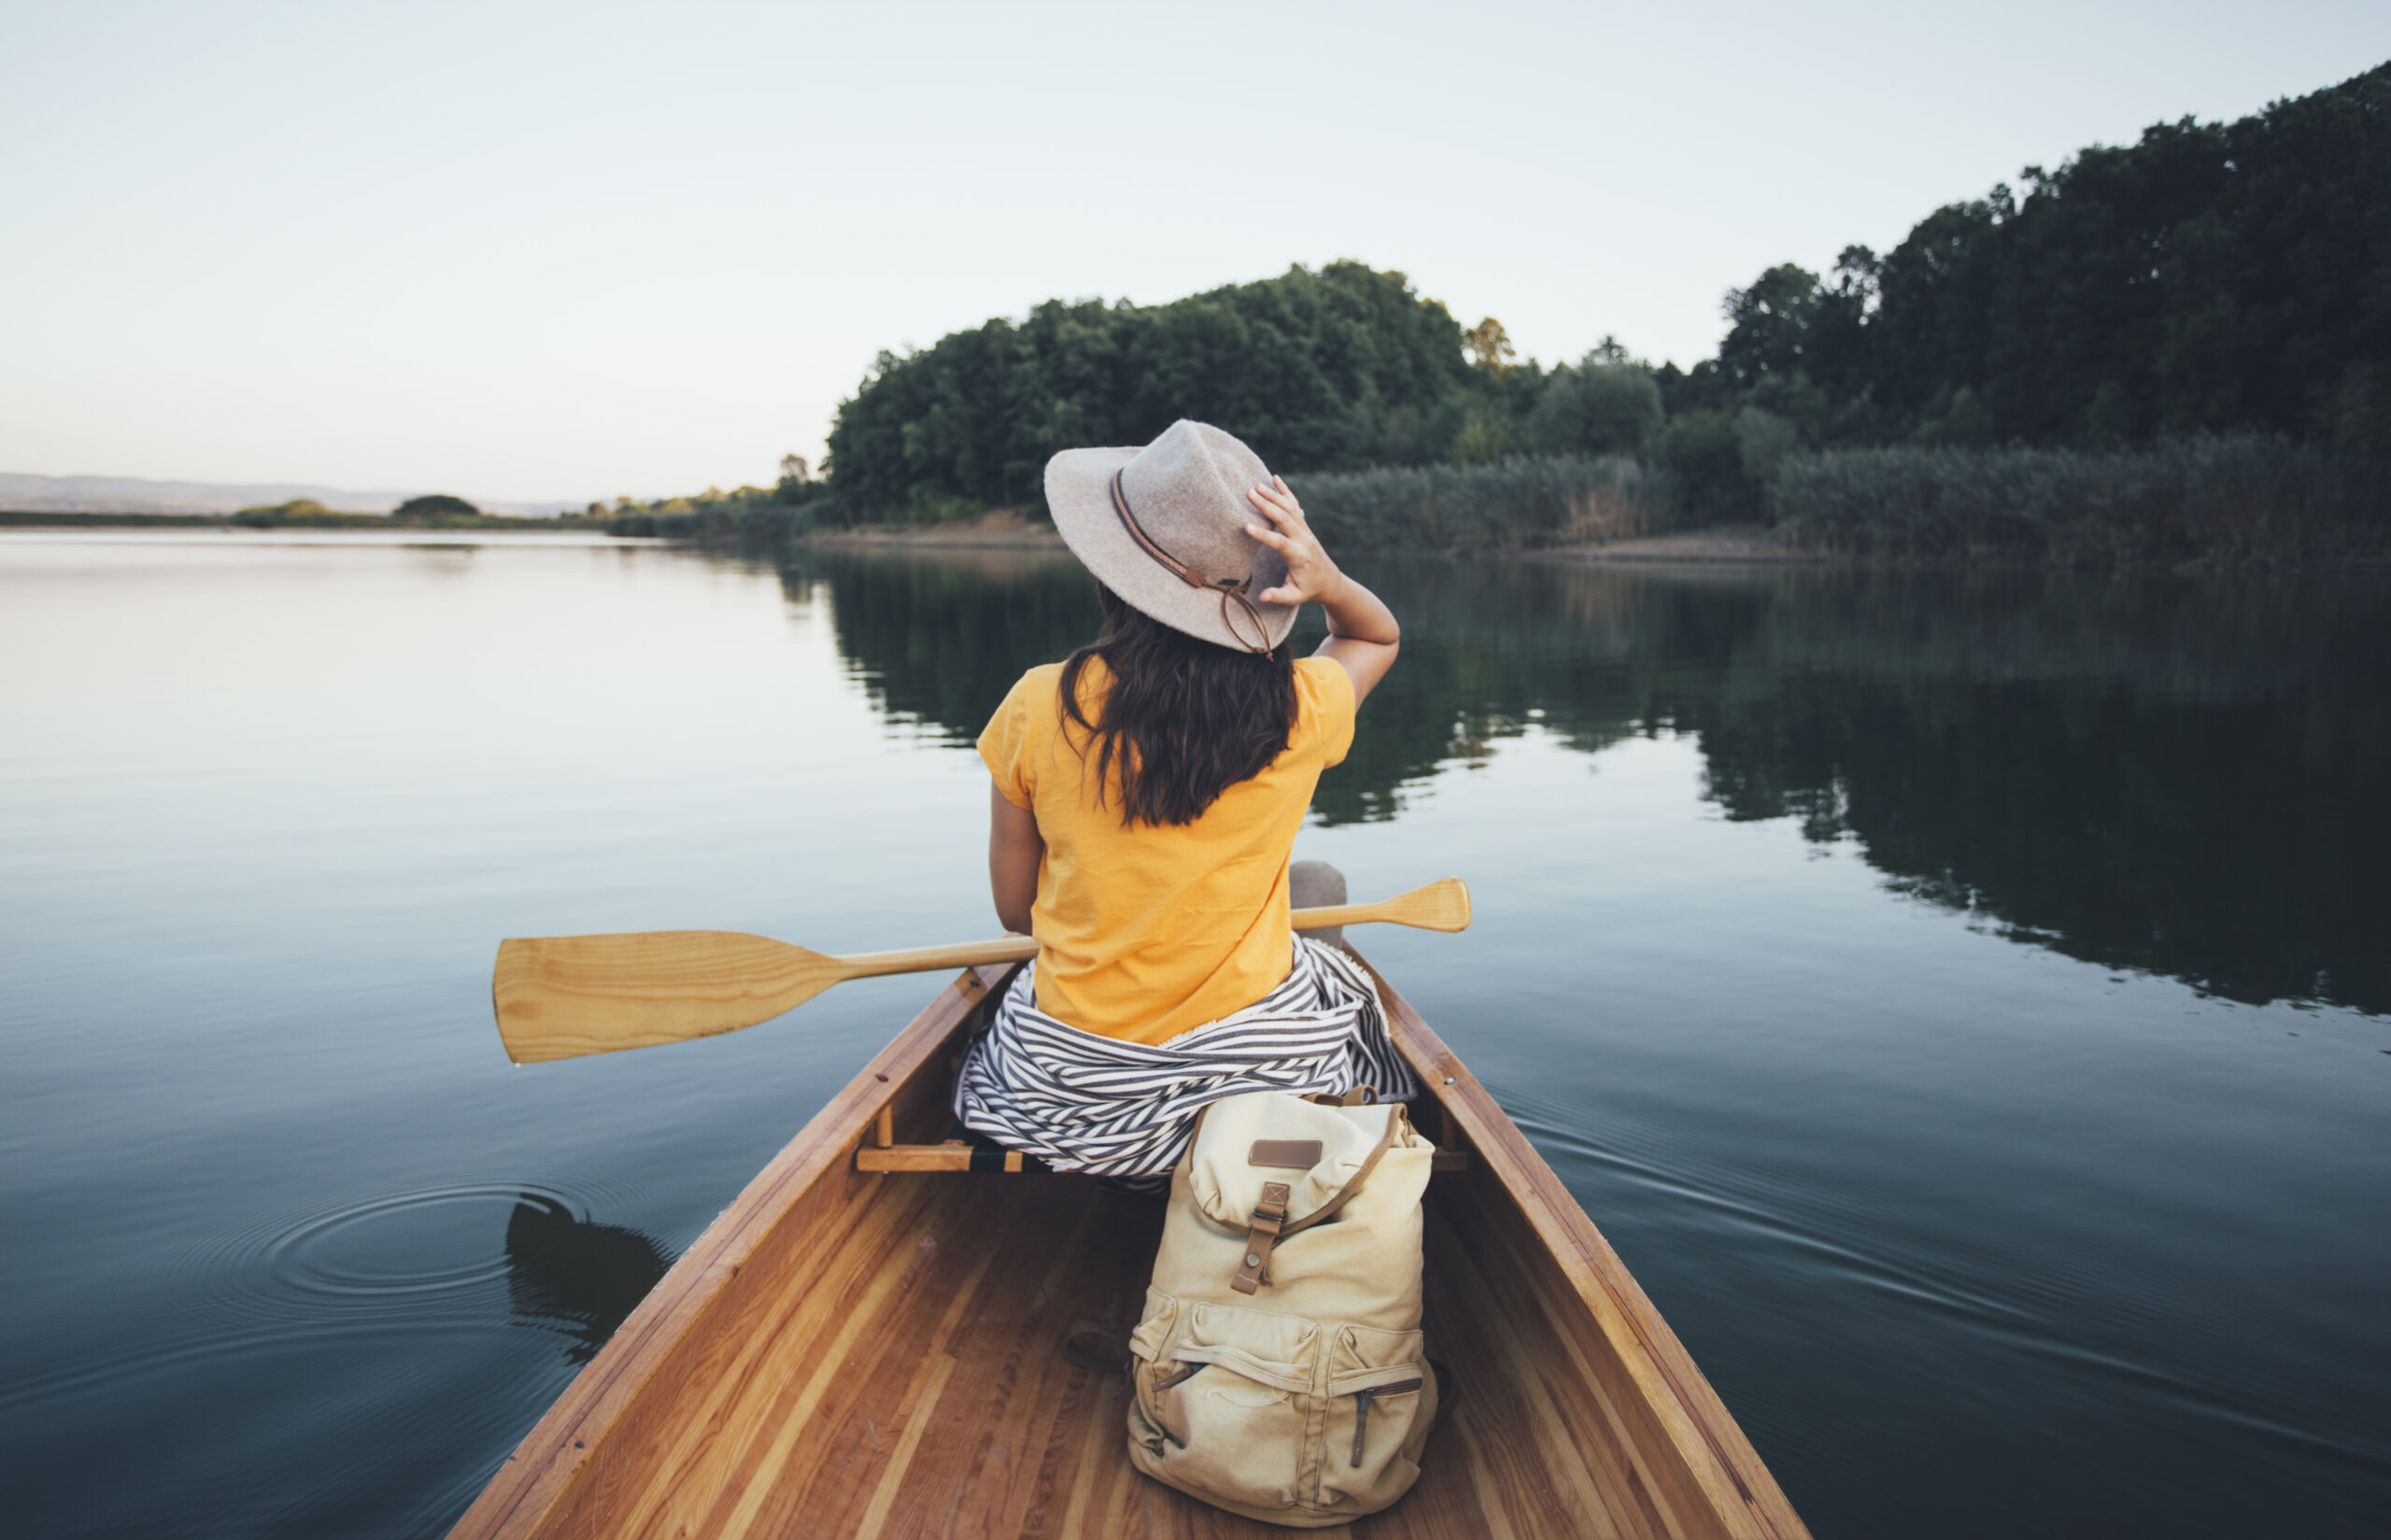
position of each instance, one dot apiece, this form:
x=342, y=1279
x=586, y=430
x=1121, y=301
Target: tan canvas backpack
x=1278, y=1370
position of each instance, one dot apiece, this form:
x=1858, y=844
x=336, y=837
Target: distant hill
x=133, y=495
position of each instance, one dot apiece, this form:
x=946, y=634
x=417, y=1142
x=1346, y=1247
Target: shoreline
x=1726, y=545
x=1720, y=545
x=40, y=518
x=997, y=530
x=1717, y=548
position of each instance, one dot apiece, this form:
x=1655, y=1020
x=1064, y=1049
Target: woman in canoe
x=1147, y=793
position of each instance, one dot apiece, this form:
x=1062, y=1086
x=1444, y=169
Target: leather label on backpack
x=1294, y=1154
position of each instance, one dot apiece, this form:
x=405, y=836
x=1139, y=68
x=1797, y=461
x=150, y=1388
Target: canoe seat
x=962, y=1151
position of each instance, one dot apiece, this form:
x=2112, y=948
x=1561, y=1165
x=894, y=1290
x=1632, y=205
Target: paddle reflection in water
x=2146, y=772
x=574, y=1275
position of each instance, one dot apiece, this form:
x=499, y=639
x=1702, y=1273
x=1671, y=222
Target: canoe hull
x=866, y=1354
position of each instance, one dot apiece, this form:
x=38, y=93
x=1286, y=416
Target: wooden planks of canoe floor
x=848, y=1353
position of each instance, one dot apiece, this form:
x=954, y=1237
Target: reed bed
x=2231, y=499
x=1521, y=503
x=2235, y=498
x=727, y=522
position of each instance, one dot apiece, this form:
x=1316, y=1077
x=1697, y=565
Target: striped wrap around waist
x=1081, y=1102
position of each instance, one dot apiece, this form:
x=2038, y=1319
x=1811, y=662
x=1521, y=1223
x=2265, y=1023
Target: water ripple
x=2017, y=1328
x=438, y=1258
x=1869, y=1268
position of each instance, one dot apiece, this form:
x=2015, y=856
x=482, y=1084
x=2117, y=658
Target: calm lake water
x=1965, y=1002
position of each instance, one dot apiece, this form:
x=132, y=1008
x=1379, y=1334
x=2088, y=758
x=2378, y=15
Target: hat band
x=1227, y=587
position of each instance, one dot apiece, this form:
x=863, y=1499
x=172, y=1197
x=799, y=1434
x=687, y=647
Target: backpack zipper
x=1183, y=1373
x=1362, y=1411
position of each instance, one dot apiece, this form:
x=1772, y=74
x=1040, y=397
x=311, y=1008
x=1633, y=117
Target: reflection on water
x=576, y=1276
x=938, y=643
x=2152, y=773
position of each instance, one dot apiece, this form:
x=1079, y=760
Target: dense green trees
x=1334, y=370
x=2211, y=279
x=1342, y=367
x=435, y=505
x=1608, y=405
x=297, y=508
x=438, y=511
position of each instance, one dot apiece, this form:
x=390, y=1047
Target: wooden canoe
x=868, y=1342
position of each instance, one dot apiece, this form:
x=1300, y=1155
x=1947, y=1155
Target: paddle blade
x=561, y=997
x=1442, y=905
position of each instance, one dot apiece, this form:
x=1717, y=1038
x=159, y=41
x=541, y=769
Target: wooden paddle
x=561, y=997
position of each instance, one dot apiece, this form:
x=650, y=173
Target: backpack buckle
x=1261, y=1232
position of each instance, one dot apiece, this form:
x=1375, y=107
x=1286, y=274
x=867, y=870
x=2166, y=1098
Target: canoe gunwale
x=535, y=1475
x=1737, y=1481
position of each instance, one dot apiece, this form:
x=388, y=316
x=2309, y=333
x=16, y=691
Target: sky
x=577, y=250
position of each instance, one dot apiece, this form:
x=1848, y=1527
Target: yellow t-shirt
x=1147, y=931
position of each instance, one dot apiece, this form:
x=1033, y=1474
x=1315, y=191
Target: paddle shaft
x=1020, y=949
x=561, y=997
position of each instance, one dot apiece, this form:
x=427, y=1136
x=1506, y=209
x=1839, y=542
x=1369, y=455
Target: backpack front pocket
x=1231, y=1398
x=1147, y=1345
x=1380, y=1400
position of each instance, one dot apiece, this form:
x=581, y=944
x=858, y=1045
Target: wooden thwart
x=966, y=1157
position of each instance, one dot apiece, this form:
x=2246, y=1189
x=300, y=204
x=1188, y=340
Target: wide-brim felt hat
x=1163, y=528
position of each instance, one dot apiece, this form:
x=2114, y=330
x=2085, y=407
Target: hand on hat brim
x=1311, y=576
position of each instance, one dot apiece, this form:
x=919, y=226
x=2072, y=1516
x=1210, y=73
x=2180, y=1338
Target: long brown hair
x=1183, y=719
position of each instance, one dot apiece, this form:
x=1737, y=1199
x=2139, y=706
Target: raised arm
x=1362, y=635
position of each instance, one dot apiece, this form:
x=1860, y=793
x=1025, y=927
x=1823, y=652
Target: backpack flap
x=1271, y=1164
x=1263, y=1138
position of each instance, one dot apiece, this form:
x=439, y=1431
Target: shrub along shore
x=2226, y=499
x=2231, y=499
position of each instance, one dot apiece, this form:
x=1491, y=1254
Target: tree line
x=430, y=511
x=2212, y=278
